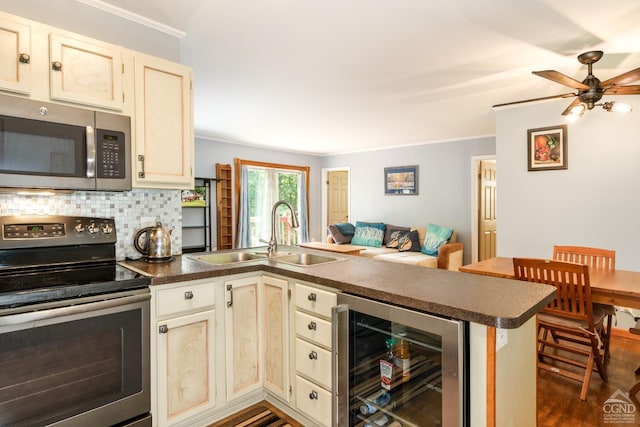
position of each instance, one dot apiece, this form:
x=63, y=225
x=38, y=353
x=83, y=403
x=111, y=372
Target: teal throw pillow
x=368, y=234
x=436, y=236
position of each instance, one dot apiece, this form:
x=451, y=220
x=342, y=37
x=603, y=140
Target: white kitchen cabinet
x=275, y=314
x=183, y=319
x=163, y=152
x=243, y=336
x=86, y=72
x=15, y=56
x=313, y=346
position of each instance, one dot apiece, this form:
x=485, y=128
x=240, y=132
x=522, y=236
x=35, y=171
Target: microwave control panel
x=111, y=153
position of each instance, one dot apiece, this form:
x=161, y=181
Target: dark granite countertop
x=502, y=303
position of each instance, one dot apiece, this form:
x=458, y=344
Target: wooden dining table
x=615, y=287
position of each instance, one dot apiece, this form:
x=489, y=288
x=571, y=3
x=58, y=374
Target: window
x=259, y=187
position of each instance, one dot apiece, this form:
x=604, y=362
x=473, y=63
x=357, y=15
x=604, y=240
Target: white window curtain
x=260, y=189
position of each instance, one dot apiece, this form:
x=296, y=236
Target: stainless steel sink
x=306, y=260
x=228, y=258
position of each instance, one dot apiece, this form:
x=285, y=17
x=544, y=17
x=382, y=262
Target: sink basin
x=228, y=258
x=306, y=260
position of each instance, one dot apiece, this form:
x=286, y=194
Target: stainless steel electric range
x=74, y=326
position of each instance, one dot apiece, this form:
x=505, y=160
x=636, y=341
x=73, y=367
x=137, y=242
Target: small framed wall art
x=401, y=180
x=547, y=148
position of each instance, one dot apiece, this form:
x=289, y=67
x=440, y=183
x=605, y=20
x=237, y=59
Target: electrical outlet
x=147, y=221
x=502, y=338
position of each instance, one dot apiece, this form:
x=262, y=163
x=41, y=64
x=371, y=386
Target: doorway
x=484, y=213
x=335, y=197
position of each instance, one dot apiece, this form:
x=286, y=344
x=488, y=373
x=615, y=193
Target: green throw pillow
x=368, y=234
x=436, y=236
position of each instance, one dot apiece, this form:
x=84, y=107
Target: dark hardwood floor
x=558, y=400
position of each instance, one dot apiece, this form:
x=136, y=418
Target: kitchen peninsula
x=486, y=303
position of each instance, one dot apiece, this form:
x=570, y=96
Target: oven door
x=76, y=365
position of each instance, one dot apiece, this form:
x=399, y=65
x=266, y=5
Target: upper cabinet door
x=15, y=56
x=164, y=124
x=85, y=73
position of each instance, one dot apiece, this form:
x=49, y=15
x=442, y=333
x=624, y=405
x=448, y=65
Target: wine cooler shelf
x=400, y=385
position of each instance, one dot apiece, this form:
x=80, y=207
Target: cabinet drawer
x=313, y=328
x=315, y=300
x=313, y=401
x=313, y=362
x=185, y=298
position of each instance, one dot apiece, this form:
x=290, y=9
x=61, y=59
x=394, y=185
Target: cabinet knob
x=24, y=58
x=312, y=326
x=188, y=295
x=163, y=329
x=312, y=297
x=56, y=66
x=313, y=355
x=313, y=395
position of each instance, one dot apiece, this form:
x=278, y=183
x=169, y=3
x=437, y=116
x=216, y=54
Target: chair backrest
x=573, y=289
x=596, y=258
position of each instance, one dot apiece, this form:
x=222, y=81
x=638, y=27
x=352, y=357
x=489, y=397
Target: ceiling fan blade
x=567, y=110
x=564, y=95
x=563, y=79
x=622, y=79
x=623, y=90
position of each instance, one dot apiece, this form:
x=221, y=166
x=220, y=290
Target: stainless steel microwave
x=51, y=146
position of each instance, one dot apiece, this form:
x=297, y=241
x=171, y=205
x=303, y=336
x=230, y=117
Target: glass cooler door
x=398, y=367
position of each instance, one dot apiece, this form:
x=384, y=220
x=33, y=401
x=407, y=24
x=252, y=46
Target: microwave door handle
x=91, y=152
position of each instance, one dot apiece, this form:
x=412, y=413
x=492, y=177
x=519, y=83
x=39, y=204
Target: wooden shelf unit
x=224, y=217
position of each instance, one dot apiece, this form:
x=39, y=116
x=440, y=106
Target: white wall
x=444, y=185
x=593, y=203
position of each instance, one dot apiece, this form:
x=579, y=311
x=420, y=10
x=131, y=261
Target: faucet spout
x=273, y=243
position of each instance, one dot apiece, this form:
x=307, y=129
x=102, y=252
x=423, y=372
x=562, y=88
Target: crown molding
x=134, y=17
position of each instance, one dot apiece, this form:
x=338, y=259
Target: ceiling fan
x=591, y=89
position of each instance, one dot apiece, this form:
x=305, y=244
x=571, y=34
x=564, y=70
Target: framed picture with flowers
x=547, y=148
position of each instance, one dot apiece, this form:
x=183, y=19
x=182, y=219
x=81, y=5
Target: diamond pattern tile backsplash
x=128, y=208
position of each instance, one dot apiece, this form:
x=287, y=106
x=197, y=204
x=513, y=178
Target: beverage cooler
x=397, y=367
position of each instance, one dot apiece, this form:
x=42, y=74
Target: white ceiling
x=332, y=76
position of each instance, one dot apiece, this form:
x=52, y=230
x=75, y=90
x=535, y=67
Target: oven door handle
x=33, y=316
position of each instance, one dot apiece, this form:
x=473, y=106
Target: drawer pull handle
x=188, y=295
x=312, y=297
x=313, y=395
x=163, y=329
x=312, y=326
x=313, y=355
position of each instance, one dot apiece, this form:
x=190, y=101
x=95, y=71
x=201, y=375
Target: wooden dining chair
x=568, y=328
x=595, y=258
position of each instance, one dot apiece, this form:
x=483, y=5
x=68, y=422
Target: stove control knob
x=79, y=228
x=93, y=228
x=107, y=228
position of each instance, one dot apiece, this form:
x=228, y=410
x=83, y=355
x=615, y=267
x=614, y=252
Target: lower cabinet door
x=243, y=338
x=313, y=401
x=185, y=355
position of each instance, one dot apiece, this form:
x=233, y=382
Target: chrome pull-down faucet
x=273, y=243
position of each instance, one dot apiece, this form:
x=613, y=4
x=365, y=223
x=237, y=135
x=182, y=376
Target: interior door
x=337, y=197
x=487, y=217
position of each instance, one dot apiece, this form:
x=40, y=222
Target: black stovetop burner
x=50, y=258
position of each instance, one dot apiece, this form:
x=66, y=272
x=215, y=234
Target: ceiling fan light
x=572, y=117
x=618, y=107
x=578, y=110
